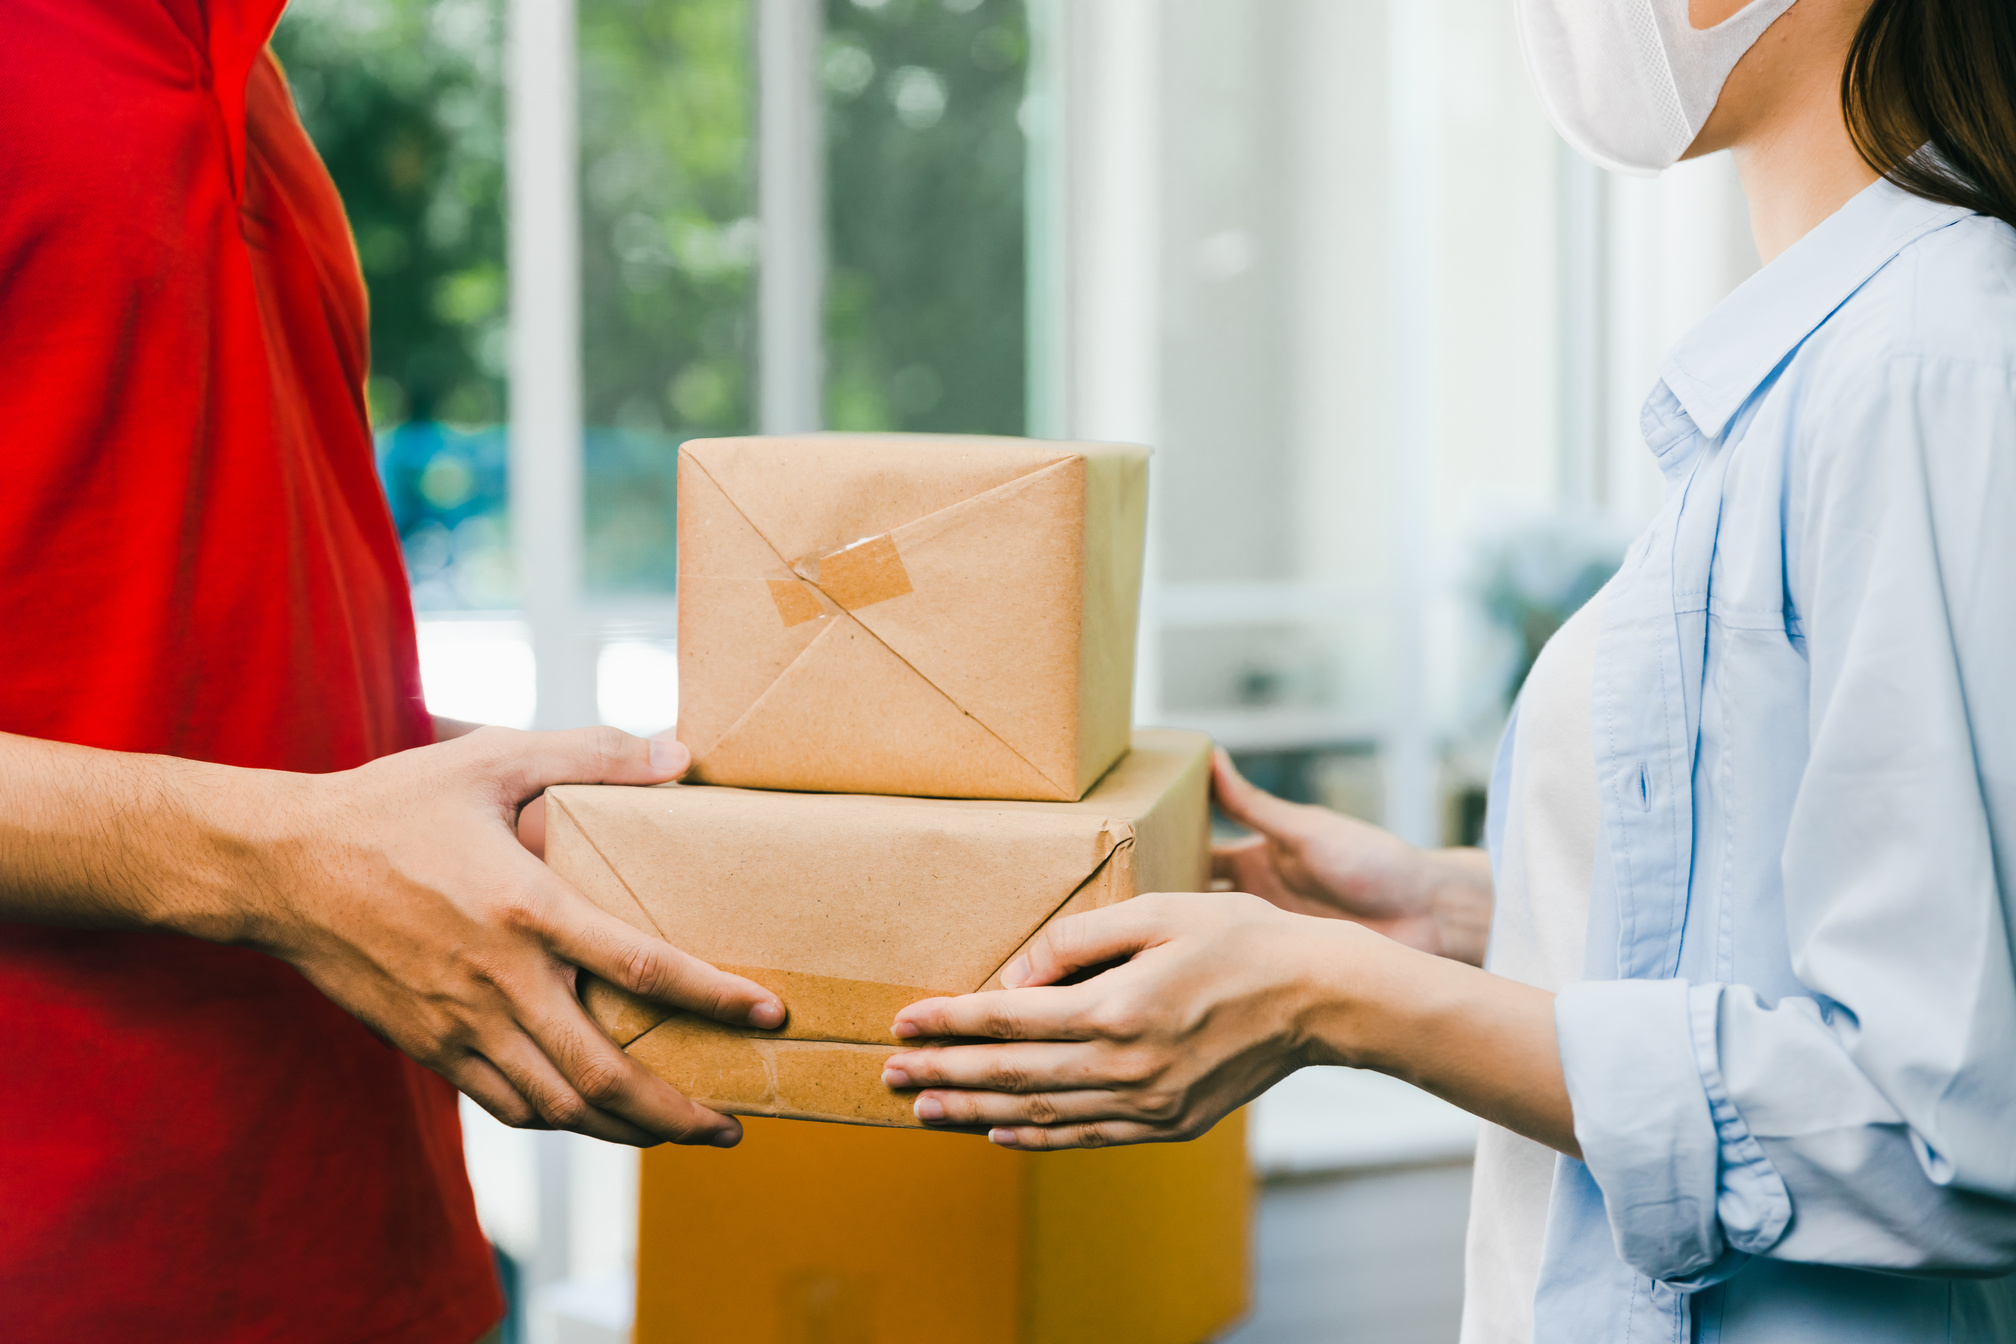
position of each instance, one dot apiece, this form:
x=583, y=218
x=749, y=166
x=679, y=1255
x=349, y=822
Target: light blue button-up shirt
x=1793, y=1058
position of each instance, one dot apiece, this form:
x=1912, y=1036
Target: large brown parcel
x=939, y=616
x=850, y=907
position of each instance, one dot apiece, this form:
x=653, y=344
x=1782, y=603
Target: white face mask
x=1630, y=83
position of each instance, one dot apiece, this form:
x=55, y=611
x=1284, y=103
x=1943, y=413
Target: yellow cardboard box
x=829, y=1234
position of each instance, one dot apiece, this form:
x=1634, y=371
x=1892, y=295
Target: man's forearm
x=105, y=839
x=447, y=729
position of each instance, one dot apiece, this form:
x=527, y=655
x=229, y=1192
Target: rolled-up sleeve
x=1684, y=1181
x=1871, y=1122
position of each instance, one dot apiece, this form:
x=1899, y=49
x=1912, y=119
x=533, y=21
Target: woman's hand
x=1313, y=861
x=1205, y=1014
x=1220, y=996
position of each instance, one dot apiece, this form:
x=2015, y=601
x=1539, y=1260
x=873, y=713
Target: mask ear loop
x=1655, y=58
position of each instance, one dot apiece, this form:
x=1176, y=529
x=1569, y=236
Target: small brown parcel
x=939, y=616
x=851, y=907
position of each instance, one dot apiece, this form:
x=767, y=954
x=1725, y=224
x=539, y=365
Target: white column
x=1046, y=224
x=545, y=393
x=1094, y=227
x=545, y=265
x=1583, y=476
x=1409, y=752
x=791, y=202
x=1115, y=189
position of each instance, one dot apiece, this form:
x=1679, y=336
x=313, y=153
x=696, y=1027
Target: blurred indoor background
x=1388, y=337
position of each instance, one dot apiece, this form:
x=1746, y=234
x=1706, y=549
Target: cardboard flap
x=893, y=891
x=1002, y=570
x=824, y=724
x=819, y=493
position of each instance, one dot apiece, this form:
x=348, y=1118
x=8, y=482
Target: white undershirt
x=1538, y=928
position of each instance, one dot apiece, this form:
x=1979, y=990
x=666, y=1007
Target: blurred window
x=925, y=306
x=403, y=98
x=669, y=242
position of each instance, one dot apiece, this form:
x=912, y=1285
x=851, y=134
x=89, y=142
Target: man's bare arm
x=398, y=888
x=447, y=729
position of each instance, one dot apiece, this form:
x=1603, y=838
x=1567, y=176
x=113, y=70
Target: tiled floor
x=1367, y=1259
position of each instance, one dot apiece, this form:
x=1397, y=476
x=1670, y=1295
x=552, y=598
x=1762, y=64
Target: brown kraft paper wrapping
x=850, y=907
x=938, y=616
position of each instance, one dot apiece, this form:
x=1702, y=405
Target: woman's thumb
x=1246, y=803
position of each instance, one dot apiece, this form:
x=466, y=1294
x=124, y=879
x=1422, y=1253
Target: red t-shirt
x=196, y=558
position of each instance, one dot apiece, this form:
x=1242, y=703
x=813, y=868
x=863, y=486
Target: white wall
x=1356, y=344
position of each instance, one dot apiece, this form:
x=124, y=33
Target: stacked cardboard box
x=852, y=906
x=906, y=667
x=848, y=1235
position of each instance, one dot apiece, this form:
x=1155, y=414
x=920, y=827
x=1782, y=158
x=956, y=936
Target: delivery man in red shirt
x=258, y=918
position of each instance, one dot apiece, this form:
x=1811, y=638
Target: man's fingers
x=1246, y=803
x=613, y=1084
x=553, y=1099
x=478, y=1079
x=528, y=762
x=1045, y=1014
x=532, y=826
x=600, y=943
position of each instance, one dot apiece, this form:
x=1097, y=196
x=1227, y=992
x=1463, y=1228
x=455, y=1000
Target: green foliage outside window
x=925, y=164
x=403, y=100
x=668, y=262
x=667, y=213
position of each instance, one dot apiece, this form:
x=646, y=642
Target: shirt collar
x=1715, y=367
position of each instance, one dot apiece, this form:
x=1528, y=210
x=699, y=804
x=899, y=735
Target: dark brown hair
x=1938, y=73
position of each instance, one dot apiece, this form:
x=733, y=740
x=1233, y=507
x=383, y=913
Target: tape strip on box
x=860, y=575
x=796, y=603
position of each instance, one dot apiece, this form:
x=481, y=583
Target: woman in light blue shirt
x=1783, y=1088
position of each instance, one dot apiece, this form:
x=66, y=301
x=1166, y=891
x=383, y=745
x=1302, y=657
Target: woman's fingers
x=1034, y=1066
x=1227, y=861
x=1032, y=1083
x=1078, y=942
x=1238, y=858
x=596, y=941
x=1102, y=1134
x=1246, y=803
x=985, y=1110
x=1003, y=1014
